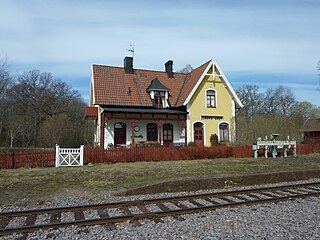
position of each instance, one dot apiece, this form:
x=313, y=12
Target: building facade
x=133, y=107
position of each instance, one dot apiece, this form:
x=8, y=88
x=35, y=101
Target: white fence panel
x=69, y=157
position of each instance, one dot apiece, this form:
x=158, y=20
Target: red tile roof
x=111, y=85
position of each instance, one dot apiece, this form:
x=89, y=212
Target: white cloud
x=65, y=37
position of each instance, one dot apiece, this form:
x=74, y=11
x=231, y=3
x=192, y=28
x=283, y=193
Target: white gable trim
x=232, y=92
x=198, y=83
x=92, y=96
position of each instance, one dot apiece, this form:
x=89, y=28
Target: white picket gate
x=69, y=157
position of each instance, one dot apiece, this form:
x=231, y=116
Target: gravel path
x=299, y=219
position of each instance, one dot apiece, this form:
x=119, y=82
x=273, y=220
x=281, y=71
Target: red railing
x=96, y=155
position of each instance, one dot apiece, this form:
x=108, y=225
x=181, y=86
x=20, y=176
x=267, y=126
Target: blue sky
x=264, y=43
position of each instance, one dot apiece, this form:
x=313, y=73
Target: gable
x=214, y=70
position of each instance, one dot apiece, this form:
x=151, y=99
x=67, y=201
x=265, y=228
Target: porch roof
x=144, y=110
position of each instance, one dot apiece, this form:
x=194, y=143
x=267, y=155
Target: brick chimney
x=169, y=68
x=128, y=64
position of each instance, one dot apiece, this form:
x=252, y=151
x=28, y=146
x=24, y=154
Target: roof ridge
x=139, y=69
x=187, y=75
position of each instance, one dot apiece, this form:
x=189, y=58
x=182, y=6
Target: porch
x=135, y=127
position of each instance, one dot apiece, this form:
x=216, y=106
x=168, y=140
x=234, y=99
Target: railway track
x=111, y=213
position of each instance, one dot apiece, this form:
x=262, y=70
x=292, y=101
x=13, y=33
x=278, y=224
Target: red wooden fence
x=97, y=155
x=27, y=159
x=163, y=154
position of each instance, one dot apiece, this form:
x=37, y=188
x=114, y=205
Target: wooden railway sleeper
x=241, y=198
x=267, y=194
x=31, y=219
x=4, y=222
x=126, y=211
x=179, y=205
x=163, y=207
x=55, y=218
x=79, y=215
x=103, y=213
x=194, y=202
x=226, y=199
x=211, y=201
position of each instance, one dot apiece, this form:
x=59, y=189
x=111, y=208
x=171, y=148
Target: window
x=120, y=131
x=211, y=99
x=224, y=132
x=159, y=97
x=152, y=132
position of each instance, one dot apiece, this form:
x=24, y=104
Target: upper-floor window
x=159, y=98
x=211, y=99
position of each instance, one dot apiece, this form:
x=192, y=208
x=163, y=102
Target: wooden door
x=167, y=134
x=198, y=134
x=120, y=133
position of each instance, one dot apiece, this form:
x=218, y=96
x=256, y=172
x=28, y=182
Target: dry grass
x=40, y=183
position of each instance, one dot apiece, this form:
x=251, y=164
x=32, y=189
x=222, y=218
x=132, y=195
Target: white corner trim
x=189, y=138
x=233, y=108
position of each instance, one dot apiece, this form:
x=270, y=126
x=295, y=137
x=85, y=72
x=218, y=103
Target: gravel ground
x=298, y=219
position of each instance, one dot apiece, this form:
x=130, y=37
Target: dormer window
x=159, y=94
x=211, y=99
x=160, y=99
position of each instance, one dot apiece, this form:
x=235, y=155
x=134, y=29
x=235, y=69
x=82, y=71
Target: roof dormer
x=159, y=94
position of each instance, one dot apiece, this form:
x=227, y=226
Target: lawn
x=36, y=184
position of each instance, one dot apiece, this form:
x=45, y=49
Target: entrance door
x=120, y=133
x=198, y=134
x=167, y=134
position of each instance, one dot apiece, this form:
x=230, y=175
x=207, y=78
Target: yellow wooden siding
x=198, y=106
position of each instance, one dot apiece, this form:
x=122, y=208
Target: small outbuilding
x=311, y=131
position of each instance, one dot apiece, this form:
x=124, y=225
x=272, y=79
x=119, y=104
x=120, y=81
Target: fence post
x=81, y=154
x=57, y=155
x=13, y=160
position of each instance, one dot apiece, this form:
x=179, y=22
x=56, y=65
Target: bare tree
x=251, y=99
x=275, y=111
x=37, y=96
x=57, y=129
x=278, y=100
x=5, y=83
x=187, y=69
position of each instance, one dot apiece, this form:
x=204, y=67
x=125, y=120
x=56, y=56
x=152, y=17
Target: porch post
x=159, y=123
x=133, y=123
x=185, y=131
x=102, y=126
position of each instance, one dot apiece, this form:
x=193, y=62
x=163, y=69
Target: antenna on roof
x=131, y=50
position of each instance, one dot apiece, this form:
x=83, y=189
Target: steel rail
x=149, y=201
x=161, y=214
